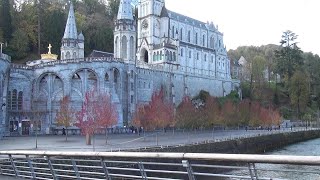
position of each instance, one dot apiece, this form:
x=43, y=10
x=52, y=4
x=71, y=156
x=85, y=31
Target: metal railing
x=157, y=166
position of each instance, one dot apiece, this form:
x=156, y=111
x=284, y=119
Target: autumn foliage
x=65, y=116
x=159, y=113
x=225, y=113
x=97, y=111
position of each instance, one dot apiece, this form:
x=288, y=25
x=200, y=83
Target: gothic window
x=190, y=53
x=62, y=56
x=154, y=56
x=212, y=42
x=171, y=56
x=181, y=53
x=172, y=31
x=181, y=34
x=132, y=87
x=167, y=55
x=20, y=100
x=116, y=48
x=124, y=47
x=174, y=56
x=189, y=36
x=196, y=38
x=74, y=55
x=68, y=55
x=203, y=40
x=219, y=43
x=205, y=57
x=131, y=99
x=106, y=78
x=131, y=48
x=14, y=99
x=197, y=56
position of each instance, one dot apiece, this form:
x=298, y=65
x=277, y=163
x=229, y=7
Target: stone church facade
x=159, y=48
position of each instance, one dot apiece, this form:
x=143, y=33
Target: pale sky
x=257, y=22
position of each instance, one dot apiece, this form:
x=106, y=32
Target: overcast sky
x=257, y=22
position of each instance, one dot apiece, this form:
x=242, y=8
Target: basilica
x=156, y=49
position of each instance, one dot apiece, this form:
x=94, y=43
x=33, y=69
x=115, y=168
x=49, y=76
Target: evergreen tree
x=5, y=20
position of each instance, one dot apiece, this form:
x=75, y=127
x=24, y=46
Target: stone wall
x=4, y=75
x=253, y=145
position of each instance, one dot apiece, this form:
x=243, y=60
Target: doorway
x=25, y=128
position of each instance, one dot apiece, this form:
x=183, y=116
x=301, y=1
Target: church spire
x=71, y=28
x=125, y=10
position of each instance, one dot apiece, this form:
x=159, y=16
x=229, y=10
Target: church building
x=157, y=48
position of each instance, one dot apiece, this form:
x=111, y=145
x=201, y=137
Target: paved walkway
x=118, y=142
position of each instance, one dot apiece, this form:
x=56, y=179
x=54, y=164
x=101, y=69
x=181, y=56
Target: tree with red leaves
x=157, y=114
x=97, y=111
x=65, y=115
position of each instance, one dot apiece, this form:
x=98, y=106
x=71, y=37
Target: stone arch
x=144, y=55
x=85, y=79
x=124, y=47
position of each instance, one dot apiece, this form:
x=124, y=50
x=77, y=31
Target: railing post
x=31, y=167
x=13, y=166
x=142, y=171
x=253, y=171
x=75, y=168
x=106, y=172
x=186, y=164
x=54, y=176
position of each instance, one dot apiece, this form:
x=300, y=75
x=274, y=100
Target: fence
x=157, y=166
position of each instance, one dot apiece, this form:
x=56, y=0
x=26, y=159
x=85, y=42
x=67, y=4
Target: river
x=307, y=148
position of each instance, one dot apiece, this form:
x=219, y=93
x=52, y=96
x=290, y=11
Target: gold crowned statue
x=49, y=55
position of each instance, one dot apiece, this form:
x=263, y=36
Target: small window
x=197, y=56
x=190, y=54
x=131, y=99
x=181, y=52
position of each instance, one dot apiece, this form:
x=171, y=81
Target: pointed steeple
x=125, y=10
x=71, y=28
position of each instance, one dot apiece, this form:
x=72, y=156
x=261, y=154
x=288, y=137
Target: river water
x=307, y=148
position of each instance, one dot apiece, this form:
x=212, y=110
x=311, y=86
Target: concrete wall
x=252, y=145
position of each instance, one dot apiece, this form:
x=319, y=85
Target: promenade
x=117, y=142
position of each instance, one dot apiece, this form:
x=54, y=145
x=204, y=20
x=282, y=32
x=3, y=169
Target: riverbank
x=258, y=144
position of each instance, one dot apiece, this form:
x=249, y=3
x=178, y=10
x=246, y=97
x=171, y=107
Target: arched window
x=189, y=36
x=197, y=56
x=219, y=43
x=181, y=52
x=116, y=48
x=124, y=51
x=154, y=56
x=167, y=55
x=106, y=78
x=203, y=40
x=74, y=55
x=196, y=38
x=68, y=55
x=205, y=57
x=132, y=48
x=171, y=57
x=20, y=100
x=212, y=42
x=172, y=32
x=174, y=56
x=181, y=34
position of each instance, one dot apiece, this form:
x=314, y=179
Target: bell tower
x=125, y=33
